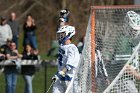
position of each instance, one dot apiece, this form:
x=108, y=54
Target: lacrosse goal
x=115, y=31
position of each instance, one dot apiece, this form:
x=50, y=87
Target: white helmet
x=64, y=33
x=132, y=24
x=133, y=19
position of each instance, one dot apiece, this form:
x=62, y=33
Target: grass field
x=38, y=81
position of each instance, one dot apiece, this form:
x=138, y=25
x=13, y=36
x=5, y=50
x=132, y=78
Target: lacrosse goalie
x=133, y=20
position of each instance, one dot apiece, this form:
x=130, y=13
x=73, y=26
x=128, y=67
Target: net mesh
x=116, y=39
x=119, y=45
x=81, y=83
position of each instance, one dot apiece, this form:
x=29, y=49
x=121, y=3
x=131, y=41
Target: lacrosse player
x=133, y=21
x=68, y=59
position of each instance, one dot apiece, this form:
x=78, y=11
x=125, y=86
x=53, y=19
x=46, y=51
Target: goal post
x=115, y=31
x=93, y=50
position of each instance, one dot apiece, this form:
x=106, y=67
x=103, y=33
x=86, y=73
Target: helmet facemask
x=60, y=36
x=65, y=33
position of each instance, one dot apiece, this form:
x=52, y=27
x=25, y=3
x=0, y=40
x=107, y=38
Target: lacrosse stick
x=50, y=86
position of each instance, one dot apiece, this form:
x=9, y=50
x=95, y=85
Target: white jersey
x=68, y=58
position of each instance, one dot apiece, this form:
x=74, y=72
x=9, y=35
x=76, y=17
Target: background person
x=4, y=48
x=29, y=28
x=5, y=31
x=15, y=27
x=11, y=71
x=29, y=70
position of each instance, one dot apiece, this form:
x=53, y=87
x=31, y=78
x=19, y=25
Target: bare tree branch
x=23, y=14
x=21, y=2
x=63, y=4
x=7, y=10
x=41, y=4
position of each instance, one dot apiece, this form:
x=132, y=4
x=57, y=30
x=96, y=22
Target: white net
x=125, y=81
x=117, y=37
x=81, y=83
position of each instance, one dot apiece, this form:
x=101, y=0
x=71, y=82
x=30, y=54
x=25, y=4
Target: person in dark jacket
x=29, y=70
x=29, y=28
x=3, y=49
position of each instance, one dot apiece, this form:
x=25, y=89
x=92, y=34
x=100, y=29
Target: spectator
x=28, y=71
x=4, y=48
x=29, y=32
x=15, y=27
x=5, y=31
x=2, y=57
x=11, y=71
